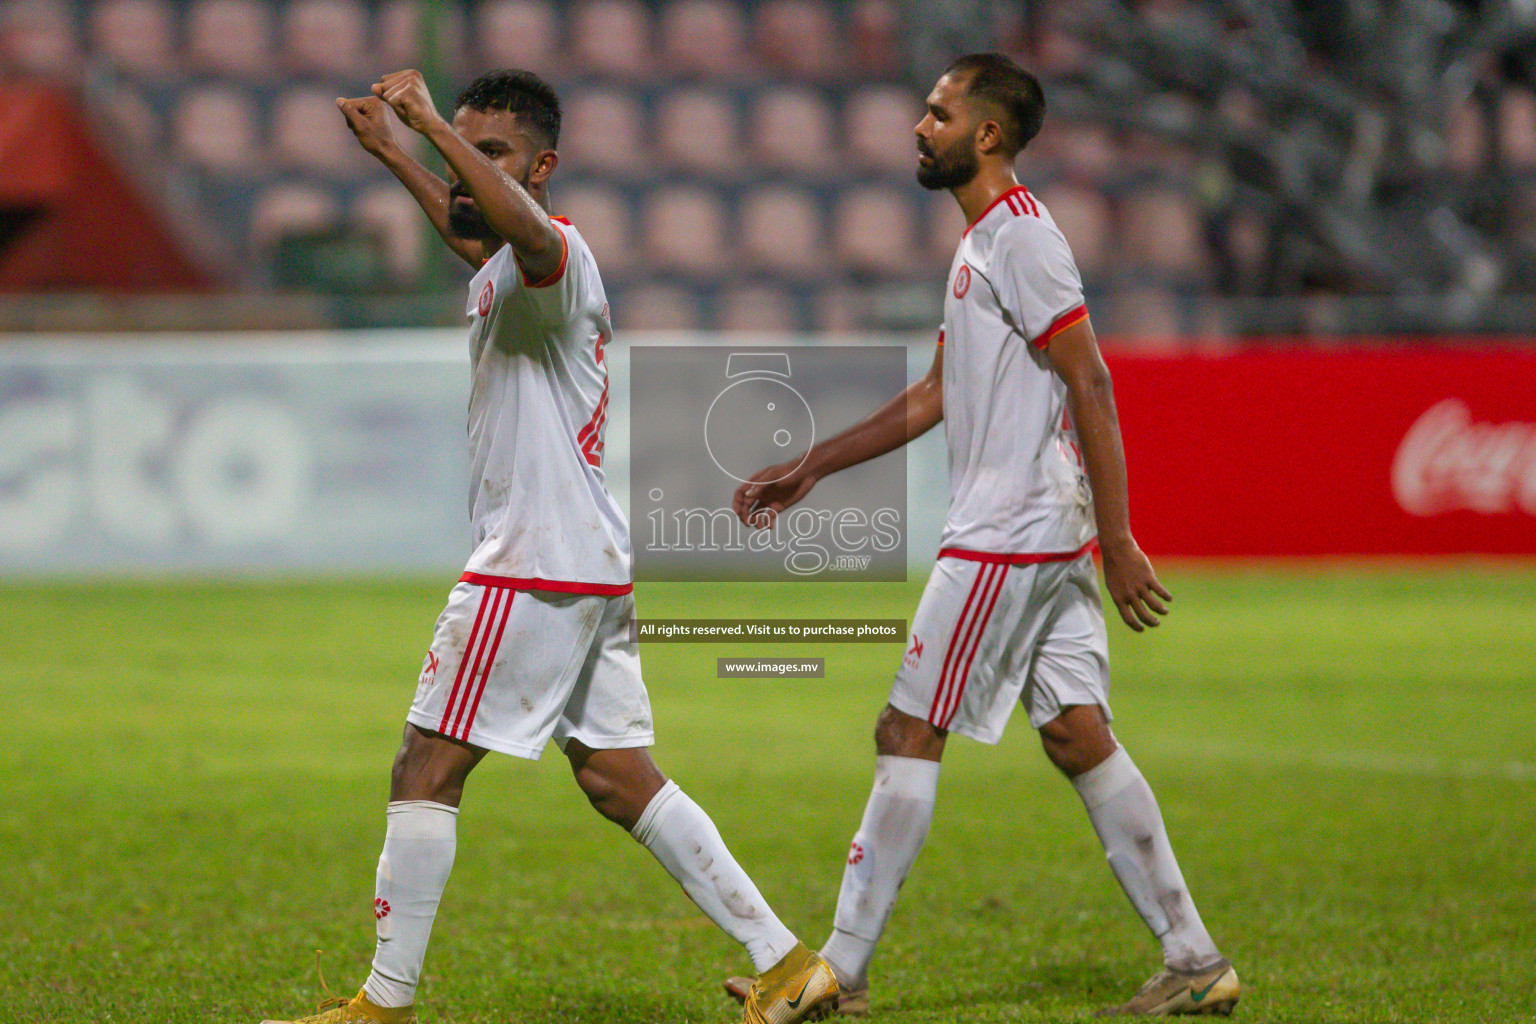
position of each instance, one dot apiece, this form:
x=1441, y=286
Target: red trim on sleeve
x=1017, y=190
x=480, y=579
x=1071, y=318
x=1034, y=558
x=565, y=251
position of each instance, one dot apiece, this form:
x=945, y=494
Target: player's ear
x=989, y=137
x=544, y=163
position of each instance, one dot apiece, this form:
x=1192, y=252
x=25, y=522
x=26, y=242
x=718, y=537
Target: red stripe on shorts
x=965, y=673
x=939, y=700
x=474, y=668
x=463, y=663
x=490, y=662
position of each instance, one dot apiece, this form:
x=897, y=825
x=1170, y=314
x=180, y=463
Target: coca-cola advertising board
x=1294, y=452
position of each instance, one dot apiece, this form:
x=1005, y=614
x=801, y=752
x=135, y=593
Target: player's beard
x=468, y=222
x=952, y=168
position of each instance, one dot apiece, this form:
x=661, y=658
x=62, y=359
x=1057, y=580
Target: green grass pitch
x=1345, y=757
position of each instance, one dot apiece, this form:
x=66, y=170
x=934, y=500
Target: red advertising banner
x=1298, y=452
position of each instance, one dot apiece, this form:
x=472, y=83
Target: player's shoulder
x=1028, y=234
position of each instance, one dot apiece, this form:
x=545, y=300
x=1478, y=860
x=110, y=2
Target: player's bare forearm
x=506, y=206
x=431, y=194
x=908, y=416
x=1128, y=575
x=368, y=117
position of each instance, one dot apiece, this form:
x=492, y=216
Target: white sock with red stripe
x=419, y=842
x=680, y=835
x=896, y=822
x=1129, y=824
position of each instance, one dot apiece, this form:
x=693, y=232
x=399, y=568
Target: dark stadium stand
x=750, y=161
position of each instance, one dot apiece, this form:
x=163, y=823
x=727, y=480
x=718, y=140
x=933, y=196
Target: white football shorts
x=508, y=670
x=990, y=633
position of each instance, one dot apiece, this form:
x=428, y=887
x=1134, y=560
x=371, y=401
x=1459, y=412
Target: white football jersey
x=1016, y=481
x=540, y=510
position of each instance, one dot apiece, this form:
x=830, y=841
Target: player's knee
x=899, y=734
x=1077, y=740
x=426, y=771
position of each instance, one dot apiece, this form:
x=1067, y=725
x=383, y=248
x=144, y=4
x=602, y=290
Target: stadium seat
x=758, y=309
x=309, y=134
x=878, y=123
x=37, y=37
x=699, y=130
x=874, y=38
x=798, y=39
x=657, y=307
x=133, y=122
x=684, y=231
x=603, y=217
x=1466, y=138
x=702, y=38
x=1160, y=232
x=389, y=210
x=1084, y=218
x=230, y=37
x=611, y=37
x=604, y=131
x=792, y=131
x=781, y=233
x=1517, y=128
x=838, y=310
x=137, y=36
x=1085, y=150
x=945, y=227
x=1145, y=318
x=399, y=39
x=517, y=34
x=326, y=37
x=290, y=209
x=217, y=129
x=873, y=231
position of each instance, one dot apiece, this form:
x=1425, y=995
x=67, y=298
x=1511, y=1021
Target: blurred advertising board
x=1423, y=450
x=345, y=452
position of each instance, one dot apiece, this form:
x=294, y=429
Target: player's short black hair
x=521, y=93
x=1013, y=93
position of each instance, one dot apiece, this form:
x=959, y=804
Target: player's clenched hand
x=368, y=118
x=406, y=92
x=770, y=491
x=1133, y=586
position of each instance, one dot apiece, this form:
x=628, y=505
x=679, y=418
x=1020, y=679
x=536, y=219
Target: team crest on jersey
x=962, y=281
x=914, y=653
x=486, y=295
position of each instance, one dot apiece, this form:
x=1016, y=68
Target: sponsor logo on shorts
x=914, y=653
x=855, y=853
x=428, y=670
x=380, y=909
x=486, y=295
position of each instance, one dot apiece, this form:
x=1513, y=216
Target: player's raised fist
x=368, y=117
x=406, y=92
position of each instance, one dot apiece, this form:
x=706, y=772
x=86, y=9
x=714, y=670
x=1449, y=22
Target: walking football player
x=1012, y=610
x=534, y=643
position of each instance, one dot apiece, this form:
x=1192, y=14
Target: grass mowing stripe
x=200, y=774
